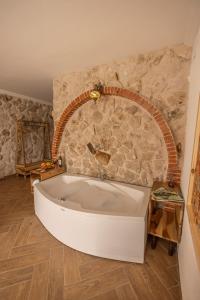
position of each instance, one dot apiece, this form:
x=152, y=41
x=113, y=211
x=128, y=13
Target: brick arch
x=173, y=169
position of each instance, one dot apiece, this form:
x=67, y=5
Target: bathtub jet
x=61, y=199
x=102, y=218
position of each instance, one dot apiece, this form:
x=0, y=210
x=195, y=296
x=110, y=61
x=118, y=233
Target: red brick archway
x=173, y=169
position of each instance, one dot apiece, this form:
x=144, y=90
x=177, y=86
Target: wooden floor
x=35, y=266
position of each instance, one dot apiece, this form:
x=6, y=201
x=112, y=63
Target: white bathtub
x=102, y=218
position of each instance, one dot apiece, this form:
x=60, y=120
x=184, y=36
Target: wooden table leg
x=171, y=248
x=153, y=241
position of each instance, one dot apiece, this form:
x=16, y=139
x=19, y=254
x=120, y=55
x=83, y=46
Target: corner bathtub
x=102, y=218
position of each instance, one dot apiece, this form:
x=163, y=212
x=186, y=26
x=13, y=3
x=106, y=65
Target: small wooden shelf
x=165, y=215
x=166, y=227
x=45, y=174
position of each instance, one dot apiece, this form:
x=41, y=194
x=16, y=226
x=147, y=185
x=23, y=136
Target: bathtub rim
x=146, y=191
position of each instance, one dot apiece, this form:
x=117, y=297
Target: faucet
x=102, y=173
x=62, y=199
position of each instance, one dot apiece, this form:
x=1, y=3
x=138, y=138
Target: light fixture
x=96, y=93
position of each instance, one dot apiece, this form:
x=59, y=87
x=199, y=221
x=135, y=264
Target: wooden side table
x=25, y=170
x=165, y=217
x=45, y=174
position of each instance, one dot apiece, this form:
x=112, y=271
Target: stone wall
x=117, y=126
x=13, y=109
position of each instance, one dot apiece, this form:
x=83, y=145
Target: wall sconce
x=97, y=92
x=95, y=95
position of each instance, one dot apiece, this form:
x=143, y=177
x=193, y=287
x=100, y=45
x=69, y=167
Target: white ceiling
x=41, y=39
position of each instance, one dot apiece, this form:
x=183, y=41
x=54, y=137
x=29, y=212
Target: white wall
x=189, y=272
x=192, y=22
x=42, y=39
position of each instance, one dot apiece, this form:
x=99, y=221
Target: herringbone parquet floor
x=35, y=266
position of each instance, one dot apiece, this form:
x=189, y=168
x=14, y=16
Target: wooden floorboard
x=96, y=268
x=15, y=276
x=34, y=248
x=87, y=289
x=71, y=266
x=16, y=292
x=167, y=275
x=24, y=231
x=111, y=295
x=7, y=240
x=126, y=292
x=39, y=284
x=23, y=261
x=35, y=266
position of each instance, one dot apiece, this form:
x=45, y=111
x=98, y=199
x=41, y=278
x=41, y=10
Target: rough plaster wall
x=116, y=125
x=12, y=109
